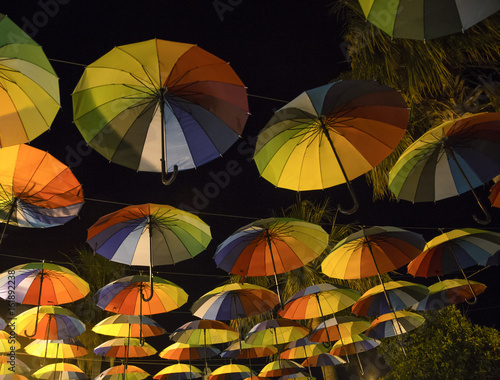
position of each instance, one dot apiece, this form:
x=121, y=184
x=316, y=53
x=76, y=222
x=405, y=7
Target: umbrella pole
x=38, y=305
x=166, y=181
x=324, y=322
x=342, y=342
x=387, y=298
x=150, y=228
x=355, y=207
x=466, y=279
x=268, y=239
x=359, y=361
x=487, y=215
x=11, y=211
x=307, y=358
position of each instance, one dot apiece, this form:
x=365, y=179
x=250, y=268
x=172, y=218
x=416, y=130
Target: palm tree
x=440, y=79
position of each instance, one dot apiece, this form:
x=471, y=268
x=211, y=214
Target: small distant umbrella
x=183, y=351
x=124, y=326
x=323, y=360
x=122, y=372
x=302, y=348
x=454, y=251
x=280, y=367
x=60, y=371
x=6, y=365
x=449, y=292
x=56, y=348
x=244, y=350
x=8, y=343
x=231, y=372
x=50, y=322
x=275, y=331
x=402, y=295
x=387, y=326
x=297, y=376
x=179, y=371
x=354, y=345
x=124, y=348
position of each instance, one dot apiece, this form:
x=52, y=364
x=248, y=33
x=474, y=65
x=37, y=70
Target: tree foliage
x=447, y=347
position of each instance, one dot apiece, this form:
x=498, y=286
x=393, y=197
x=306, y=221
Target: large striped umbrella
x=280, y=367
x=125, y=348
x=123, y=372
x=56, y=348
x=124, y=326
x=244, y=350
x=388, y=325
x=60, y=371
x=179, y=371
x=183, y=351
x=275, y=331
x=159, y=106
x=231, y=372
x=354, y=344
x=29, y=87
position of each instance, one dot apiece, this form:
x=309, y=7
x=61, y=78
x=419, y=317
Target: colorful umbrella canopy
x=50, y=322
x=160, y=105
x=29, y=87
x=354, y=344
x=36, y=189
x=8, y=363
x=424, y=19
x=280, y=367
x=297, y=376
x=318, y=300
x=122, y=372
x=231, y=372
x=450, y=159
x=449, y=292
x=402, y=295
x=275, y=331
x=330, y=135
x=125, y=348
x=322, y=360
x=204, y=332
x=389, y=325
x=271, y=246
x=337, y=328
x=60, y=371
x=183, y=351
x=179, y=371
x=233, y=301
x=124, y=326
x=371, y=252
x=123, y=296
x=244, y=350
x=56, y=348
x=302, y=348
x=8, y=343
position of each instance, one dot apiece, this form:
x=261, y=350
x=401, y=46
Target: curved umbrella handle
x=168, y=181
x=151, y=287
x=487, y=215
x=355, y=207
x=36, y=325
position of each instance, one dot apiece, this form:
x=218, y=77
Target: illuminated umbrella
x=231, y=372
x=179, y=371
x=354, y=344
x=454, y=251
x=42, y=284
x=50, y=322
x=330, y=135
x=36, y=189
x=124, y=326
x=280, y=367
x=338, y=327
x=56, y=348
x=159, y=106
x=450, y=159
x=244, y=350
x=271, y=246
x=29, y=87
x=183, y=351
x=123, y=372
x=8, y=343
x=424, y=19
x=322, y=360
x=275, y=331
x=149, y=235
x=6, y=365
x=302, y=348
x=402, y=295
x=60, y=371
x=387, y=325
x=124, y=348
x=449, y=292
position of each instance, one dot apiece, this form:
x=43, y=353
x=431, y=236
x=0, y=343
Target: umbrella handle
x=168, y=181
x=355, y=207
x=487, y=215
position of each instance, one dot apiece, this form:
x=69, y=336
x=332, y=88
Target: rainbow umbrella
x=402, y=295
x=330, y=135
x=8, y=343
x=124, y=348
x=302, y=348
x=454, y=251
x=231, y=372
x=424, y=19
x=124, y=326
x=123, y=372
x=388, y=325
x=56, y=348
x=337, y=328
x=29, y=87
x=49, y=322
x=244, y=350
x=323, y=360
x=60, y=371
x=159, y=106
x=184, y=351
x=271, y=246
x=280, y=367
x=354, y=344
x=448, y=160
x=275, y=331
x=6, y=365
x=42, y=284
x=449, y=292
x=36, y=189
x=179, y=371
x=149, y=235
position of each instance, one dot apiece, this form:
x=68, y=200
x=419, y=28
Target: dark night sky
x=279, y=49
